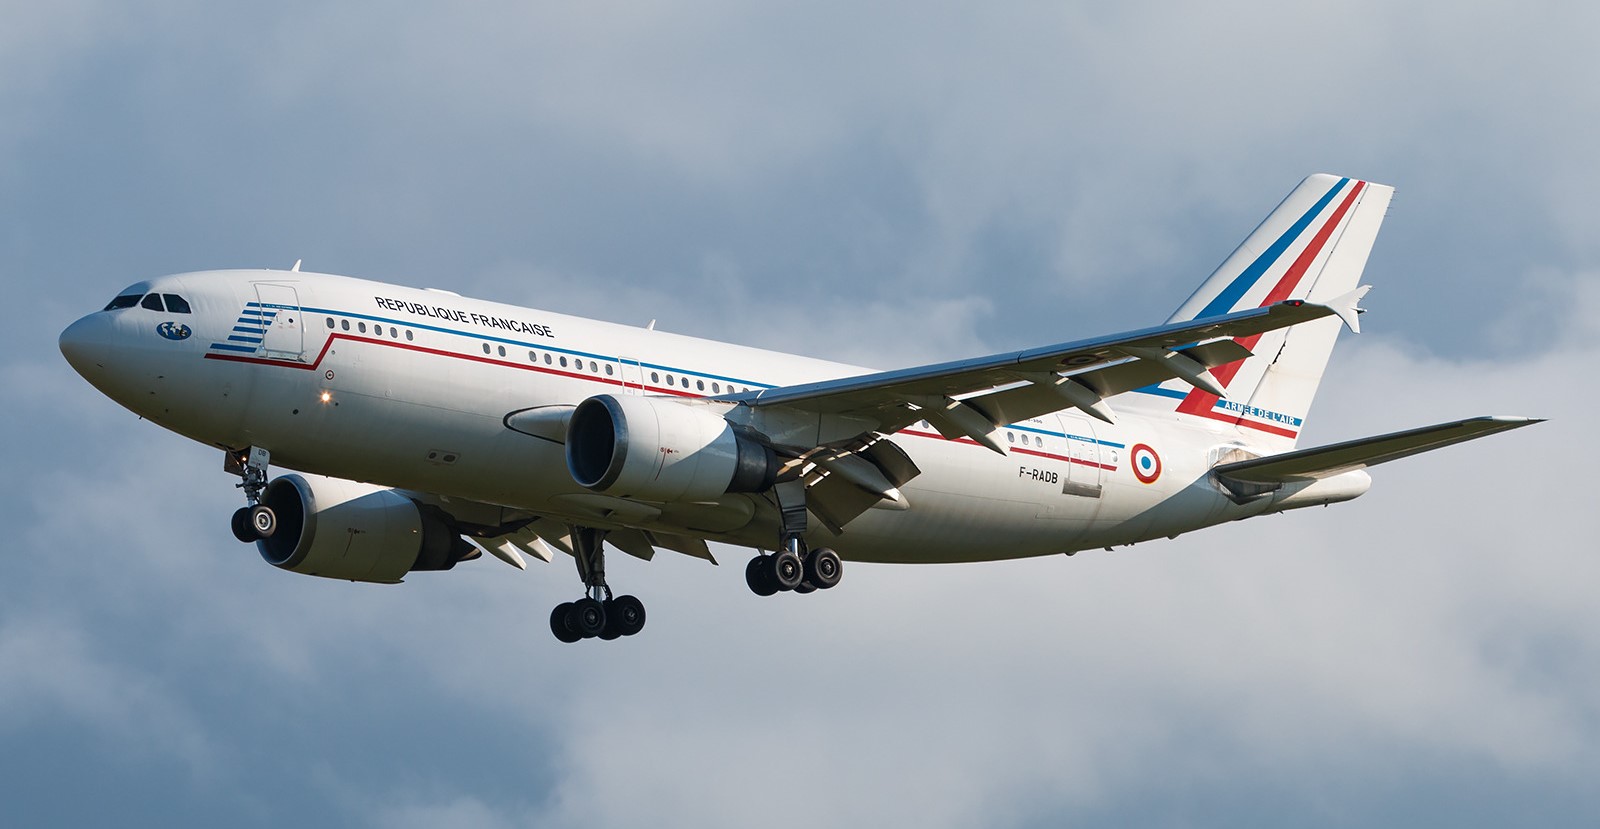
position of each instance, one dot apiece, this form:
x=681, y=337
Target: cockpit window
x=176, y=304
x=152, y=301
x=123, y=301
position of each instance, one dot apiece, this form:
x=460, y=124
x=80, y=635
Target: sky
x=883, y=184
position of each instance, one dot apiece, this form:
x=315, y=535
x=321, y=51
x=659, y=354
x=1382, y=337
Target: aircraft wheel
x=758, y=575
x=561, y=623
x=613, y=626
x=823, y=568
x=787, y=571
x=588, y=618
x=263, y=520
x=627, y=613
x=242, y=529
x=805, y=586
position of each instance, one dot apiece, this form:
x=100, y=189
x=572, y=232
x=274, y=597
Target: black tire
x=823, y=568
x=786, y=569
x=241, y=526
x=561, y=623
x=612, y=629
x=627, y=613
x=588, y=618
x=759, y=577
x=263, y=520
x=805, y=587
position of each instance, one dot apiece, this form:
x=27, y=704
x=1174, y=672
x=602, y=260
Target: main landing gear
x=254, y=521
x=597, y=614
x=795, y=568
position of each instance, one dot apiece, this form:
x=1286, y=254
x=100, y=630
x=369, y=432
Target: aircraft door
x=632, y=376
x=284, y=338
x=1085, y=465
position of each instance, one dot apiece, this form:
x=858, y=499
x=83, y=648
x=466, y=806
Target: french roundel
x=1146, y=463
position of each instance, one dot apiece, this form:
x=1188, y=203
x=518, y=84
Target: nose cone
x=87, y=344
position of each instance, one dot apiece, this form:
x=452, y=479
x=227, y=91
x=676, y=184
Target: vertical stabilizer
x=1313, y=247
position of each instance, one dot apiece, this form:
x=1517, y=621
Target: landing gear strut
x=254, y=521
x=794, y=566
x=597, y=614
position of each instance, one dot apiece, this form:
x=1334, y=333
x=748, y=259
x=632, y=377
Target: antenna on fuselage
x=651, y=326
x=296, y=268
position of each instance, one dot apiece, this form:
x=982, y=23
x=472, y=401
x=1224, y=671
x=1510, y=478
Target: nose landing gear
x=254, y=521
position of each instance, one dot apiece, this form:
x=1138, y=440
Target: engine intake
x=341, y=529
x=663, y=450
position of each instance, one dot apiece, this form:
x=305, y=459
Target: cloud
x=51, y=676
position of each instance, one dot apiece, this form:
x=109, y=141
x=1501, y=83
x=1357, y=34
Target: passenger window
x=608, y=370
x=362, y=327
x=547, y=359
x=176, y=304
x=1011, y=438
x=123, y=301
x=716, y=388
x=670, y=380
x=408, y=333
x=345, y=324
x=330, y=322
x=394, y=332
x=593, y=367
x=153, y=302
x=654, y=377
x=700, y=384
x=563, y=362
x=502, y=350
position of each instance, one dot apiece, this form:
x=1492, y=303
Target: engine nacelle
x=662, y=450
x=341, y=529
x=1322, y=492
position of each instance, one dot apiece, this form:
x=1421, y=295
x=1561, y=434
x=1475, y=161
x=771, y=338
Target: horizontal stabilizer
x=1327, y=461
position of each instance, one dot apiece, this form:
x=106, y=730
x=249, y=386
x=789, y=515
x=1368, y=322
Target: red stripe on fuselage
x=489, y=360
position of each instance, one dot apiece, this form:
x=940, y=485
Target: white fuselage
x=412, y=389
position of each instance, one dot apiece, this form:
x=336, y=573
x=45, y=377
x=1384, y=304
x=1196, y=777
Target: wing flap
x=1334, y=459
x=1044, y=394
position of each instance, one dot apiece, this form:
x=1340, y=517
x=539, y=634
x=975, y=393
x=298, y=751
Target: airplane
x=424, y=428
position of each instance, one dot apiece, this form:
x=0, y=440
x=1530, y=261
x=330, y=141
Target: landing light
x=326, y=396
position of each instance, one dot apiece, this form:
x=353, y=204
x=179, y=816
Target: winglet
x=1347, y=309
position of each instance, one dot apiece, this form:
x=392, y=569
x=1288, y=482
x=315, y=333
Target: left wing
x=972, y=398
x=1334, y=459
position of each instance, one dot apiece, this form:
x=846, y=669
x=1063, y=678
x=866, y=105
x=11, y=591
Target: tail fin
x=1313, y=247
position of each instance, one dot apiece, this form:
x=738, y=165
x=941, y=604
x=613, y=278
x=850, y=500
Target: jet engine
x=341, y=529
x=662, y=450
